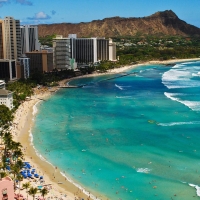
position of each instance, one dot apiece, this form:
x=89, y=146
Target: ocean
x=127, y=137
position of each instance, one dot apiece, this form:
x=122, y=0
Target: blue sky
x=75, y=11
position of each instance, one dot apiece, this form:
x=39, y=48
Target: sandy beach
x=23, y=121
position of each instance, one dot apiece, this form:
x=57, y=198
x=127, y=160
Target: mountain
x=165, y=23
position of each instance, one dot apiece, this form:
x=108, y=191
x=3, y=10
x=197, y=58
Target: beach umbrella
x=24, y=175
x=41, y=177
x=36, y=175
x=30, y=175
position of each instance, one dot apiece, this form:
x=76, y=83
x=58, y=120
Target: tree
x=16, y=151
x=3, y=174
x=33, y=191
x=6, y=118
x=26, y=186
x=44, y=192
x=15, y=170
x=19, y=178
x=7, y=138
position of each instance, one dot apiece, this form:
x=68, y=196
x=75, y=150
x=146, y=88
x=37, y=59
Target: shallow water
x=133, y=137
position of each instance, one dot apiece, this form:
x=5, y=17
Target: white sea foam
x=31, y=137
x=178, y=123
x=180, y=76
x=170, y=96
x=196, y=187
x=120, y=87
x=78, y=186
x=124, y=97
x=198, y=74
x=176, y=66
x=193, y=105
x=35, y=110
x=143, y=170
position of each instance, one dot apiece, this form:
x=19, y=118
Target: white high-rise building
x=6, y=98
x=112, y=50
x=29, y=38
x=67, y=51
x=10, y=38
x=62, y=52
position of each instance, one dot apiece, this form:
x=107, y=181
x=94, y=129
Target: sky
x=35, y=12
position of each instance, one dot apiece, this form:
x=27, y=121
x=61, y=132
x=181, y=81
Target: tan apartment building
x=40, y=61
x=10, y=38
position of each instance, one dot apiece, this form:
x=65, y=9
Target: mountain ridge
x=159, y=23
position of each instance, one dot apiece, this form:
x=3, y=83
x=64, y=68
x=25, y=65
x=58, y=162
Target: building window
x=4, y=194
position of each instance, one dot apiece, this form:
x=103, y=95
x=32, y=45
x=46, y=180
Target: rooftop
x=5, y=92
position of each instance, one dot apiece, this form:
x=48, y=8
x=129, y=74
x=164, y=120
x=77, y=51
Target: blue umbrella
x=36, y=175
x=24, y=175
x=29, y=175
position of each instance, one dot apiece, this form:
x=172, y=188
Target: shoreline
x=23, y=123
x=52, y=176
x=127, y=67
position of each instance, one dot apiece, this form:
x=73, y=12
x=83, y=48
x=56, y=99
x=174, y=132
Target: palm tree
x=17, y=154
x=33, y=191
x=26, y=186
x=3, y=174
x=44, y=192
x=7, y=138
x=19, y=177
x=15, y=170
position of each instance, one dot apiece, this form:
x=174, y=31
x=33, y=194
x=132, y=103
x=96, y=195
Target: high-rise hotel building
x=29, y=39
x=91, y=50
x=81, y=50
x=10, y=38
x=62, y=52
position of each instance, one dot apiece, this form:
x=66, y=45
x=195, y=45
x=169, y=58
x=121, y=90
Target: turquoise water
x=133, y=137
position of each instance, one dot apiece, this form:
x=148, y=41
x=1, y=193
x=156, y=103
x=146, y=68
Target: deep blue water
x=134, y=137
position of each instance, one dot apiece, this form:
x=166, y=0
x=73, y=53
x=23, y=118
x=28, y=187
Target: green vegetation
x=21, y=89
x=33, y=191
x=44, y=192
x=6, y=117
x=147, y=48
x=47, y=40
x=12, y=155
x=26, y=186
x=50, y=78
x=131, y=50
x=141, y=48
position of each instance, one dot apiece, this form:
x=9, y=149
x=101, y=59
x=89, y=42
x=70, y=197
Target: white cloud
x=39, y=15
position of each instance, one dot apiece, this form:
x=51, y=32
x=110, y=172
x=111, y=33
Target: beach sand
x=23, y=121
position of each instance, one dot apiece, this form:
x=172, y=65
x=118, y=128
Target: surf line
x=122, y=75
